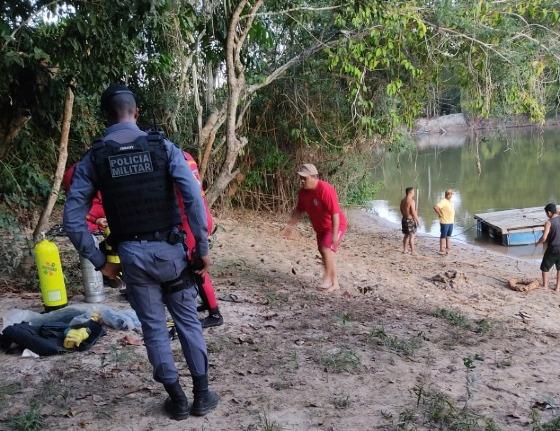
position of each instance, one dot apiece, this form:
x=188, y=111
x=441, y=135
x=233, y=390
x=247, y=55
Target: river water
x=492, y=172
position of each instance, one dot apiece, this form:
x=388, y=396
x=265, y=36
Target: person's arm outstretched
x=544, y=237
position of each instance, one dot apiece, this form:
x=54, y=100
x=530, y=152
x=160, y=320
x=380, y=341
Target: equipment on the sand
x=523, y=284
x=74, y=337
x=92, y=280
x=51, y=278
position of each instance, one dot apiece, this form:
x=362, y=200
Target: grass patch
x=7, y=390
x=483, y=326
x=281, y=385
x=344, y=318
x=552, y=425
x=276, y=299
x=53, y=391
x=404, y=347
x=30, y=420
x=340, y=360
x=455, y=318
x=268, y=424
x=119, y=357
x=341, y=401
x=435, y=410
x=293, y=362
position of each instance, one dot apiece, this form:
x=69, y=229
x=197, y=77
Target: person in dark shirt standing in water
x=409, y=221
x=551, y=235
x=318, y=199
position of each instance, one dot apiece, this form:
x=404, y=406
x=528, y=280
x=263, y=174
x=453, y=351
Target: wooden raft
x=513, y=227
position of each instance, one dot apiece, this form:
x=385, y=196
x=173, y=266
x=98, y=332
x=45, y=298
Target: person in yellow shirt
x=446, y=213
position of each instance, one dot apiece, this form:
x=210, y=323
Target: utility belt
x=186, y=280
x=171, y=236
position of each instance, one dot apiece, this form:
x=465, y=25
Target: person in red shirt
x=319, y=200
x=204, y=283
x=96, y=220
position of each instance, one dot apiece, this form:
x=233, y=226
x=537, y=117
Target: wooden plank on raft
x=522, y=219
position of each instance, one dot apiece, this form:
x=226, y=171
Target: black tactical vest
x=137, y=189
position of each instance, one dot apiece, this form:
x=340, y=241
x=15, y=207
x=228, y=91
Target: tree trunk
x=210, y=87
x=60, y=166
x=207, y=137
x=240, y=93
x=227, y=174
x=11, y=128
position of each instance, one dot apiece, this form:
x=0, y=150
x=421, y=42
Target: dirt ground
x=395, y=349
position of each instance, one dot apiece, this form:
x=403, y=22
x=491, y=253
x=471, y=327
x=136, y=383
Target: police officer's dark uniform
x=136, y=173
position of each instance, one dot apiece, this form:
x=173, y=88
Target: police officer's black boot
x=177, y=405
x=204, y=399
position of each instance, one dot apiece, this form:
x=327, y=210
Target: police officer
x=135, y=173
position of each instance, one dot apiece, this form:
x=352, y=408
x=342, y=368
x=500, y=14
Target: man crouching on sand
x=410, y=220
x=551, y=235
x=318, y=199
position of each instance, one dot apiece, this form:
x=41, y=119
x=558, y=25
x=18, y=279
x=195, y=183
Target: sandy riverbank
x=304, y=360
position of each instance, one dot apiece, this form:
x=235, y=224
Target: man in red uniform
x=204, y=283
x=96, y=220
x=319, y=200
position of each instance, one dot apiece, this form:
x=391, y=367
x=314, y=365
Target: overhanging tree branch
x=279, y=71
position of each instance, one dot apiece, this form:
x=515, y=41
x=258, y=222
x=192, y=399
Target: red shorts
x=324, y=239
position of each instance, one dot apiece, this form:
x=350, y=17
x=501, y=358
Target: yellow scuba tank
x=51, y=278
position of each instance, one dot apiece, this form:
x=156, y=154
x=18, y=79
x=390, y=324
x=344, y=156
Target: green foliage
x=436, y=410
x=341, y=402
x=405, y=347
x=362, y=192
x=502, y=56
x=30, y=420
x=43, y=49
x=6, y=390
x=392, y=62
x=384, y=63
x=267, y=159
x=268, y=424
x=455, y=318
x=551, y=425
x=339, y=360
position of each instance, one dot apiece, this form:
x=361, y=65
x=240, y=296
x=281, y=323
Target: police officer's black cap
x=113, y=90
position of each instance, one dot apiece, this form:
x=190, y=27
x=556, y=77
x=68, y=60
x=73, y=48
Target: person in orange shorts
x=318, y=199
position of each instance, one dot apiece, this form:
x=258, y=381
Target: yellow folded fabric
x=74, y=337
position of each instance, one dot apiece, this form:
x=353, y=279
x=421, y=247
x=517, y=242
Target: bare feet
x=441, y=253
x=333, y=288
